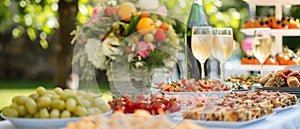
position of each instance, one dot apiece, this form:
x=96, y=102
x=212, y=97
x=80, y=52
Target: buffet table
x=284, y=119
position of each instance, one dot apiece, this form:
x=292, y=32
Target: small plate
x=35, y=123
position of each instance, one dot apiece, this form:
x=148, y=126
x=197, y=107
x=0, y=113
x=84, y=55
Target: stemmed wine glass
x=222, y=46
x=201, y=44
x=262, y=45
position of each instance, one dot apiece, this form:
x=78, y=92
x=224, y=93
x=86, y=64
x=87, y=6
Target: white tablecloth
x=285, y=119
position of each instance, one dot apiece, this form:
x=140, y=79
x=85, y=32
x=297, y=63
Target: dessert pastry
x=242, y=106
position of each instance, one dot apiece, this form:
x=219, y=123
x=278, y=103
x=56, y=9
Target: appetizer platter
x=238, y=109
x=284, y=80
x=242, y=82
x=193, y=87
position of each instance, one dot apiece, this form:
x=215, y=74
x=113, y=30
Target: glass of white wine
x=262, y=45
x=201, y=44
x=222, y=46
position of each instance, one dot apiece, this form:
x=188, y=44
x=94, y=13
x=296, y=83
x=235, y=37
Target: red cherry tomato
x=141, y=104
x=119, y=101
x=129, y=106
x=157, y=107
x=119, y=108
x=165, y=101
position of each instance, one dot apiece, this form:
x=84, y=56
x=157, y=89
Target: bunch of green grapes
x=57, y=103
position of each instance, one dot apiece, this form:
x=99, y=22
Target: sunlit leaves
x=17, y=31
x=178, y=9
x=33, y=17
x=227, y=13
x=44, y=43
x=31, y=34
x=5, y=15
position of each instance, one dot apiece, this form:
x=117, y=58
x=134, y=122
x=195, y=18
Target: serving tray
x=291, y=90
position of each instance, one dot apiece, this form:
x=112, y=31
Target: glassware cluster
x=218, y=41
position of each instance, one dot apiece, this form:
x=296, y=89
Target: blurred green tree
x=39, y=19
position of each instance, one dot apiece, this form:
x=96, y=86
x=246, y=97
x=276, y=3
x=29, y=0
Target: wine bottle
x=197, y=17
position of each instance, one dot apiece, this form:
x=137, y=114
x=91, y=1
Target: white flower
x=91, y=48
x=138, y=64
x=108, y=49
x=95, y=55
x=148, y=4
x=100, y=60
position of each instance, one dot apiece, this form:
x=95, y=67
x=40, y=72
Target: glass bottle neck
x=200, y=2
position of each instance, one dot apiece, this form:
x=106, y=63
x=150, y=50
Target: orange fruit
x=125, y=11
x=164, y=26
x=145, y=25
x=144, y=14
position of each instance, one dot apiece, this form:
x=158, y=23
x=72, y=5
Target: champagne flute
x=262, y=45
x=201, y=44
x=222, y=46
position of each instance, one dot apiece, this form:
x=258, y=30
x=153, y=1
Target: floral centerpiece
x=124, y=33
